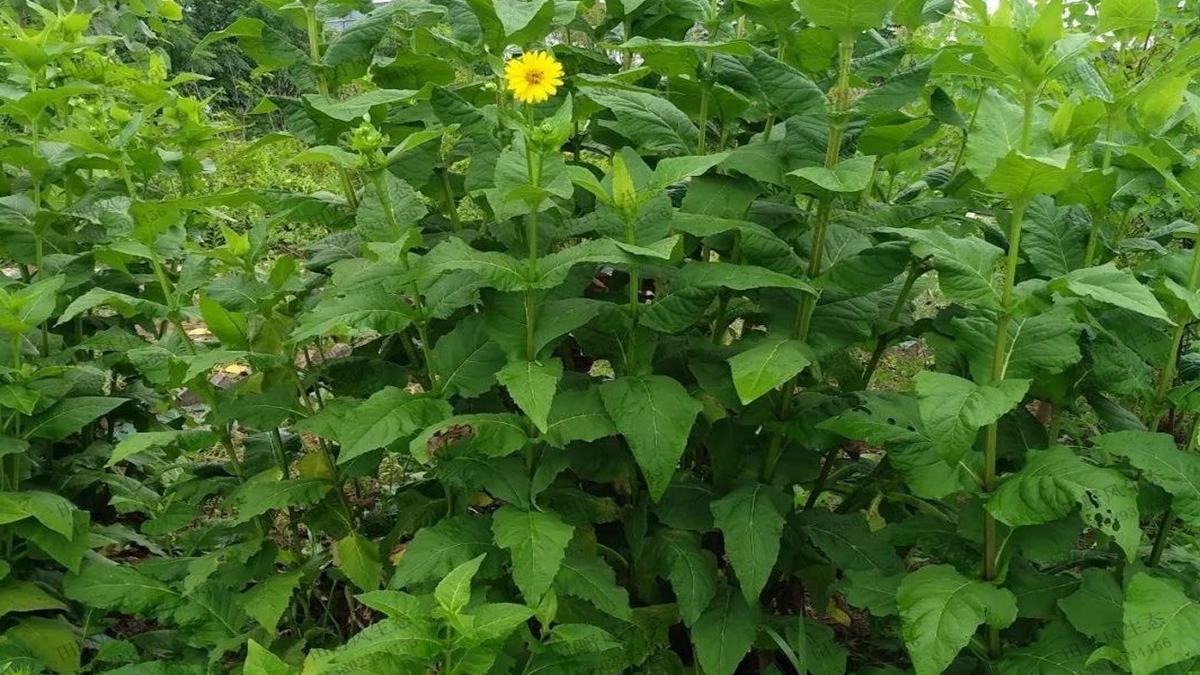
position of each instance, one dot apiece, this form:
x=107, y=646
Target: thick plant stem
x=315, y=35
x=385, y=200
x=451, y=207
x=999, y=364
x=1155, y=409
x=840, y=97
x=533, y=158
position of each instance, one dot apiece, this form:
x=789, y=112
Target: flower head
x=533, y=77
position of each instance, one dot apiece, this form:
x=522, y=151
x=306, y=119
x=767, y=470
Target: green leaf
x=846, y=16
x=532, y=386
x=692, y=572
x=436, y=550
x=484, y=435
x=49, y=509
x=22, y=596
x=268, y=600
x=997, y=131
x=1053, y=239
x=454, y=591
x=655, y=414
x=1095, y=608
x=578, y=415
x=260, y=661
x=499, y=270
x=1059, y=650
x=106, y=585
x=52, y=642
x=357, y=311
x=465, y=360
x=940, y=610
x=69, y=416
x=751, y=519
x=388, y=416
x=143, y=441
x=767, y=365
x=358, y=558
x=737, y=277
x=354, y=107
x=849, y=543
x=648, y=120
x=1161, y=462
x=408, y=640
x=1136, y=16
x=537, y=542
x=723, y=635
x=1113, y=286
x=1054, y=481
x=851, y=175
x=791, y=92
x=1021, y=176
x=965, y=265
x=265, y=492
x=1163, y=624
x=498, y=620
x=589, y=578
x=954, y=409
x=872, y=590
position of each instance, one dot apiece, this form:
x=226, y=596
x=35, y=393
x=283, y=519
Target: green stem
x=914, y=272
x=533, y=159
x=451, y=207
x=1155, y=408
x=422, y=326
x=822, y=477
x=967, y=133
x=315, y=37
x=840, y=97
x=999, y=363
x=1160, y=541
x=1027, y=120
x=1093, y=238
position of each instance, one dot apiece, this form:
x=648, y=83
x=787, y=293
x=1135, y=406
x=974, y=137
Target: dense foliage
x=593, y=385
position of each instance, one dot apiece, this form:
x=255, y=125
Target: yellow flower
x=533, y=77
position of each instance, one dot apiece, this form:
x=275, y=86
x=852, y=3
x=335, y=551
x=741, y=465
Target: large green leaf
x=465, y=360
x=358, y=558
x=851, y=175
x=648, y=120
x=1054, y=482
x=846, y=16
x=590, y=578
x=767, y=365
x=266, y=492
x=1162, y=462
x=965, y=265
x=23, y=596
x=533, y=386
x=723, y=635
x=751, y=519
x=692, y=572
x=1162, y=624
x=655, y=414
x=941, y=609
x=438, y=549
x=1127, y=15
x=1111, y=285
x=1095, y=608
x=996, y=132
x=388, y=416
x=69, y=416
x=538, y=542
x=453, y=592
x=954, y=409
